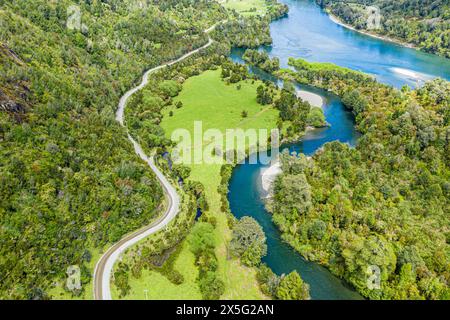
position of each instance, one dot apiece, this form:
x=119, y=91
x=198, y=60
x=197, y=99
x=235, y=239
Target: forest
x=261, y=60
x=69, y=180
x=383, y=204
x=422, y=23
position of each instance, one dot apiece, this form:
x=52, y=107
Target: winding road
x=104, y=267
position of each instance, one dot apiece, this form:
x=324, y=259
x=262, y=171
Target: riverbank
x=268, y=176
x=314, y=99
x=209, y=99
x=247, y=197
x=338, y=21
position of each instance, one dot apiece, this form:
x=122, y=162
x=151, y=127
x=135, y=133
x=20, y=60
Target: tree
x=151, y=102
x=316, y=118
x=359, y=254
x=292, y=287
x=181, y=171
x=268, y=280
x=293, y=195
x=317, y=229
x=121, y=277
x=179, y=105
x=202, y=243
x=235, y=77
x=261, y=60
x=248, y=241
x=354, y=101
x=170, y=88
x=263, y=95
x=410, y=255
x=289, y=86
x=202, y=238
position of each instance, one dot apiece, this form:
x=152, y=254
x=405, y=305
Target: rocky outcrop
x=14, y=94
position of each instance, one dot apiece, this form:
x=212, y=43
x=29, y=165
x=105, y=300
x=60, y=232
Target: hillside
x=69, y=180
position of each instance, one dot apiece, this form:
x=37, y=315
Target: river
x=309, y=33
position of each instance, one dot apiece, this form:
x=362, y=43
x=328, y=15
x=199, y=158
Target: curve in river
x=309, y=33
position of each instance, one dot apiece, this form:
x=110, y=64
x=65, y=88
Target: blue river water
x=309, y=33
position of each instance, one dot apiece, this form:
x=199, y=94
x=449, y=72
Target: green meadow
x=152, y=285
x=208, y=99
x=246, y=7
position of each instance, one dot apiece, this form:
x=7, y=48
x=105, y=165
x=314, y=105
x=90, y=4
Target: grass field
x=207, y=98
x=218, y=105
x=246, y=7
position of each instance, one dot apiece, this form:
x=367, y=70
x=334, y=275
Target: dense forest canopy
x=423, y=23
x=69, y=180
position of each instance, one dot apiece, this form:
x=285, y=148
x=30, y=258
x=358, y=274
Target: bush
x=202, y=238
x=268, y=280
x=202, y=243
x=317, y=229
x=316, y=118
x=170, y=88
x=292, y=287
x=211, y=286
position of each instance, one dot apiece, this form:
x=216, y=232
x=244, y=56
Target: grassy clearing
x=246, y=7
x=208, y=99
x=219, y=106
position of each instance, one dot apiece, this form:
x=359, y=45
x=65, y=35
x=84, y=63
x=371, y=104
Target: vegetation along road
x=104, y=267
